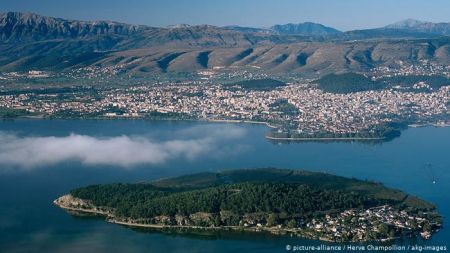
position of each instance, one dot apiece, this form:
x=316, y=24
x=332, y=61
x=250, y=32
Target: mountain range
x=30, y=41
x=422, y=26
x=301, y=29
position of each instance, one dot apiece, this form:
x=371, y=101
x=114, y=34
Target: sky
x=341, y=14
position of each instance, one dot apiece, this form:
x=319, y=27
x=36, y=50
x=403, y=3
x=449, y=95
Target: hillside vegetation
x=308, y=204
x=434, y=81
x=241, y=192
x=348, y=83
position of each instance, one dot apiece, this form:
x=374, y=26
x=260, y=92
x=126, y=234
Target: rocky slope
x=29, y=41
x=16, y=26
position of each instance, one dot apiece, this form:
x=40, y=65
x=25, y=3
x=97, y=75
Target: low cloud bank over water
x=124, y=151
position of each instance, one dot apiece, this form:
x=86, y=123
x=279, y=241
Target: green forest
x=434, y=81
x=145, y=201
x=348, y=83
x=387, y=131
x=289, y=194
x=9, y=113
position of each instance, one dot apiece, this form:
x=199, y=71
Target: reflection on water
x=30, y=223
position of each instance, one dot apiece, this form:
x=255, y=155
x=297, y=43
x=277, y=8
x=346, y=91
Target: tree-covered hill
x=434, y=81
x=348, y=83
x=295, y=193
x=309, y=204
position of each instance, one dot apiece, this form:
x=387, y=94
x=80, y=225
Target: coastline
x=429, y=124
x=323, y=139
x=112, y=219
x=84, y=207
x=240, y=121
x=274, y=230
x=237, y=121
x=46, y=117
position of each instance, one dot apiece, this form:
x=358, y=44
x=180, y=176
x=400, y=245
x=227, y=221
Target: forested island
x=384, y=132
x=308, y=204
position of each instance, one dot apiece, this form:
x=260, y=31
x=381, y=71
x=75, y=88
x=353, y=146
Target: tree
x=272, y=220
x=426, y=227
x=217, y=221
x=383, y=229
x=392, y=233
x=292, y=224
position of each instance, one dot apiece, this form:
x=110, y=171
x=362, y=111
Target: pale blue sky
x=341, y=14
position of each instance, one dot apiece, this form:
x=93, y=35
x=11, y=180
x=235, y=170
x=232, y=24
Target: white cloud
x=124, y=151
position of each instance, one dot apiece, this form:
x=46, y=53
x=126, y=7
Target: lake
x=43, y=159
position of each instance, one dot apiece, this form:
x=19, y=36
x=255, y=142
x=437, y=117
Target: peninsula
x=302, y=203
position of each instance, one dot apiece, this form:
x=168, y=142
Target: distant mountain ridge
x=16, y=26
x=301, y=29
x=30, y=41
x=406, y=24
x=249, y=29
x=29, y=27
x=26, y=27
x=422, y=26
x=305, y=29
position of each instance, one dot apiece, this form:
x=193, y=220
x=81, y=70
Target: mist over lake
x=43, y=159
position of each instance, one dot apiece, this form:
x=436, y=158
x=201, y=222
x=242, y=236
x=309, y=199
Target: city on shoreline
x=295, y=110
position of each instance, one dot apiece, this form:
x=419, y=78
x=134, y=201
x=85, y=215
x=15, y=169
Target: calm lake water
x=30, y=223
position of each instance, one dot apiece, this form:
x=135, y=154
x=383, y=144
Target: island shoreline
x=110, y=218
x=238, y=121
x=78, y=206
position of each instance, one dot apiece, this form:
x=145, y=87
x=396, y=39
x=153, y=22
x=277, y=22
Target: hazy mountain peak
x=306, y=29
x=178, y=26
x=407, y=23
x=251, y=30
x=422, y=27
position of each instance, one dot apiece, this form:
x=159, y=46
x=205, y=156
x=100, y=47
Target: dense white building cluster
x=365, y=224
x=315, y=110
